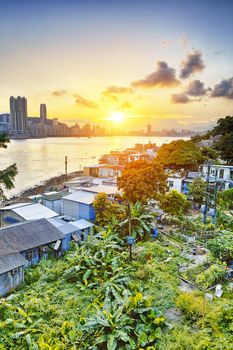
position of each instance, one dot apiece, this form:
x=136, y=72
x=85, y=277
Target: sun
x=117, y=117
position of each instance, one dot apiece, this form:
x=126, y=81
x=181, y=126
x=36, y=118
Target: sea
x=40, y=159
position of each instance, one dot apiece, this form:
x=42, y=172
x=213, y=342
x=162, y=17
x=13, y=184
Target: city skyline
x=128, y=63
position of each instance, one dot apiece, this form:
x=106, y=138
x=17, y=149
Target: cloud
x=85, y=103
x=224, y=89
x=125, y=105
x=110, y=96
x=192, y=64
x=119, y=90
x=196, y=88
x=59, y=93
x=180, y=98
x=113, y=90
x=164, y=76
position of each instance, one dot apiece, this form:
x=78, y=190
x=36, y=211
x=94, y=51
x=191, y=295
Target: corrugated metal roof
x=81, y=197
x=102, y=188
x=27, y=235
x=11, y=261
x=34, y=212
x=14, y=206
x=82, y=224
x=61, y=225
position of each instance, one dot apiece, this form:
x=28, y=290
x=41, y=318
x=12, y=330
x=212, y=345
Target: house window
x=15, y=271
x=221, y=173
x=171, y=184
x=28, y=255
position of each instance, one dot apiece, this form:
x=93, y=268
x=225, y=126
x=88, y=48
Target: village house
x=79, y=205
x=103, y=170
x=52, y=200
x=25, y=244
x=222, y=174
x=73, y=230
x=21, y=212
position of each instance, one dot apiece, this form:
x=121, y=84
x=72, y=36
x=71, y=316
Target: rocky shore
x=53, y=184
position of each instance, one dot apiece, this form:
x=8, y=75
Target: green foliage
x=210, y=276
x=142, y=180
x=91, y=300
x=106, y=210
x=94, y=298
x=206, y=277
x=142, y=222
x=224, y=126
x=209, y=153
x=225, y=199
x=6, y=175
x=174, y=203
x=197, y=189
x=222, y=246
x=180, y=155
x=191, y=305
x=225, y=146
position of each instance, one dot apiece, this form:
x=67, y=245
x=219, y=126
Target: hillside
x=94, y=298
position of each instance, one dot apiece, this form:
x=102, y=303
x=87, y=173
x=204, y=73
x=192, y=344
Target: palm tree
x=7, y=175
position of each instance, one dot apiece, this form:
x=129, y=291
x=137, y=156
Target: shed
x=11, y=272
x=78, y=205
x=24, y=244
x=24, y=212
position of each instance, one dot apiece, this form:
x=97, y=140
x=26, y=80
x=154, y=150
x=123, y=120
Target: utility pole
x=130, y=239
x=66, y=162
x=206, y=207
x=210, y=197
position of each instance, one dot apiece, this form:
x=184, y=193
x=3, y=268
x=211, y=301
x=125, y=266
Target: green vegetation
x=197, y=190
x=225, y=199
x=225, y=146
x=6, y=175
x=106, y=210
x=209, y=153
x=142, y=180
x=180, y=155
x=222, y=246
x=174, y=203
x=94, y=298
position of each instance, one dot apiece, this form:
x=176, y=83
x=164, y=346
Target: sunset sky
x=167, y=63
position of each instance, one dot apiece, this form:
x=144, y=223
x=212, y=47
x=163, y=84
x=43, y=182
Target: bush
x=191, y=304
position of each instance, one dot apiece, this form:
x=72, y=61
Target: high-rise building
x=43, y=114
x=148, y=130
x=18, y=111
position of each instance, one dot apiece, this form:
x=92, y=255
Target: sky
x=133, y=62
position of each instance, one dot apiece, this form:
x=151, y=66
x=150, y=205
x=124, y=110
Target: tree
x=222, y=247
x=180, y=155
x=225, y=147
x=197, y=189
x=6, y=175
x=209, y=153
x=106, y=210
x=141, y=221
x=142, y=180
x=224, y=126
x=174, y=203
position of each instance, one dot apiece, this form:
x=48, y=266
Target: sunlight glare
x=117, y=117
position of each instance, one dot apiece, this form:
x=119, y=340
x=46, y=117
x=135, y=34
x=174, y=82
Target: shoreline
x=51, y=184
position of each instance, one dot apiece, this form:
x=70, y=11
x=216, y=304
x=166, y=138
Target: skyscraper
x=18, y=111
x=43, y=114
x=149, y=130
